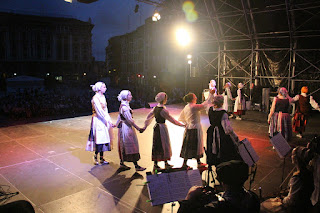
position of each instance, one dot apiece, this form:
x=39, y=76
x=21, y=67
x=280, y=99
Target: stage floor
x=47, y=164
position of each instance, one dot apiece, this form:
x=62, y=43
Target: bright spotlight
x=183, y=37
x=189, y=62
x=156, y=16
x=70, y=1
x=189, y=56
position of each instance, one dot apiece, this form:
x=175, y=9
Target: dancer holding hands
x=193, y=142
x=128, y=145
x=101, y=133
x=161, y=148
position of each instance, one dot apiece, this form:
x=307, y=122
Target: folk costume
x=303, y=110
x=192, y=142
x=161, y=147
x=128, y=145
x=228, y=99
x=279, y=118
x=221, y=139
x=101, y=132
x=240, y=102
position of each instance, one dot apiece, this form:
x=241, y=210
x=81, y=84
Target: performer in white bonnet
x=228, y=100
x=128, y=145
x=101, y=133
x=240, y=103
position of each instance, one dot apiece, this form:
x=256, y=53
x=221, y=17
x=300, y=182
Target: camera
x=208, y=195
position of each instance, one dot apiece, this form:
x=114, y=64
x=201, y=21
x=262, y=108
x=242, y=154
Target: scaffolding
x=270, y=43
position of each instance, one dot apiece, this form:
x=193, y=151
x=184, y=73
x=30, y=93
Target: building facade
x=149, y=57
x=45, y=47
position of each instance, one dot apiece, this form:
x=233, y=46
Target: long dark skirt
x=228, y=150
x=190, y=145
x=127, y=157
x=157, y=149
x=284, y=126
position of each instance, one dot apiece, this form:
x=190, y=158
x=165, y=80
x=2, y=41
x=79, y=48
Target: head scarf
x=123, y=95
x=212, y=84
x=160, y=97
x=227, y=85
x=240, y=85
x=97, y=86
x=283, y=91
x=304, y=89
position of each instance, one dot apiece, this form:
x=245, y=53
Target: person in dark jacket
x=234, y=199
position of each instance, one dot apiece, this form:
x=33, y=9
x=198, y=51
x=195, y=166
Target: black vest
x=159, y=119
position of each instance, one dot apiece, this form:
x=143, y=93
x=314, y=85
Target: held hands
x=213, y=91
x=141, y=130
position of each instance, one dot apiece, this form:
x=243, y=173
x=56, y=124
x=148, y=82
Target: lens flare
x=190, y=13
x=188, y=6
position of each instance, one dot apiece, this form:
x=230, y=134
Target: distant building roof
x=24, y=78
x=6, y=18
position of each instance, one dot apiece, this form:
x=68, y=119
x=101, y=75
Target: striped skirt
x=281, y=122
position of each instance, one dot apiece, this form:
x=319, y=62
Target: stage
x=47, y=164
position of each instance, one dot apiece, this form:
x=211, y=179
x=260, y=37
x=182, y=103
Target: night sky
x=110, y=17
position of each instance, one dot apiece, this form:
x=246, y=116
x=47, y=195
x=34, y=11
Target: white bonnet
x=240, y=85
x=213, y=82
x=160, y=97
x=97, y=86
x=123, y=95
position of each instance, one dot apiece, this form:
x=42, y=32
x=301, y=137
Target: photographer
x=300, y=187
x=234, y=198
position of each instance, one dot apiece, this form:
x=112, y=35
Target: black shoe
x=168, y=166
x=124, y=167
x=103, y=161
x=139, y=168
x=186, y=167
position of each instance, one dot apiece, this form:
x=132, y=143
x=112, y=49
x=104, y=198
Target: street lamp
x=190, y=62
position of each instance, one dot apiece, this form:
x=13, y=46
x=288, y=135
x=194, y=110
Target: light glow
x=183, y=37
x=189, y=62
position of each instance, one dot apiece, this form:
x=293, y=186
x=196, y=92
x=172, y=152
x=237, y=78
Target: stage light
x=156, y=16
x=48, y=74
x=183, y=37
x=189, y=56
x=139, y=75
x=14, y=73
x=189, y=62
x=70, y=1
x=154, y=76
x=84, y=73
